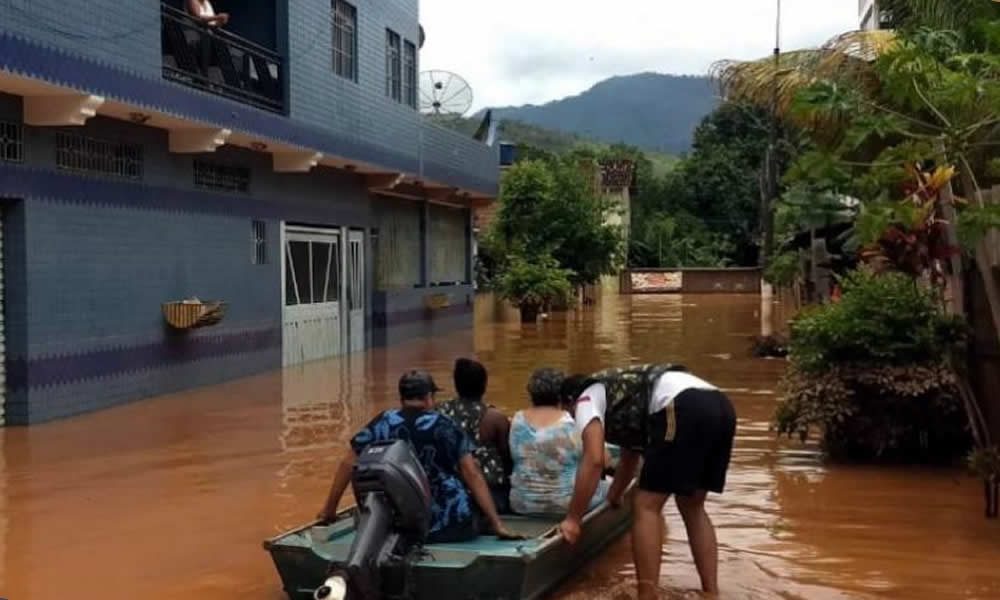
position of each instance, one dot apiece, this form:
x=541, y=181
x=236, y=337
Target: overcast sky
x=533, y=51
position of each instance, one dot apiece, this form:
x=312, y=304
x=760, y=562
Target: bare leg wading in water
x=647, y=540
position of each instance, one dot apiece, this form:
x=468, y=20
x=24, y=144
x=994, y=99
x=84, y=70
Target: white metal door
x=311, y=322
x=356, y=290
x=3, y=339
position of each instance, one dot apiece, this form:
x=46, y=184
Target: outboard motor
x=391, y=523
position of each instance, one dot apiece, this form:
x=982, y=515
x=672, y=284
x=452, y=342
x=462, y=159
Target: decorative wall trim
x=32, y=183
x=172, y=350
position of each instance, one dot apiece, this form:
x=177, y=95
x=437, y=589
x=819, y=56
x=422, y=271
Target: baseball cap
x=416, y=384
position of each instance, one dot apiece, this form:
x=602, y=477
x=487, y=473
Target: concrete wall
x=89, y=260
x=701, y=281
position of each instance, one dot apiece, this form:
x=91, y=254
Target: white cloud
x=533, y=51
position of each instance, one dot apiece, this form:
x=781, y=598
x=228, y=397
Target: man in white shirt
x=683, y=428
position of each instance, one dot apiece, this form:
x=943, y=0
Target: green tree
x=720, y=179
x=548, y=208
x=677, y=240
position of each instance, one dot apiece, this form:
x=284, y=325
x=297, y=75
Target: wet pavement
x=171, y=497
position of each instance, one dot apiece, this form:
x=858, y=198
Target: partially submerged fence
x=691, y=281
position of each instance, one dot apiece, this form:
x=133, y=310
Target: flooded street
x=171, y=497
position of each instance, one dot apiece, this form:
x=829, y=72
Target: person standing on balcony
x=205, y=12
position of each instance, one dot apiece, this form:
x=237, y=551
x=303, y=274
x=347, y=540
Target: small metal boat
x=483, y=569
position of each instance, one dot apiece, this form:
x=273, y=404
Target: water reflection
x=170, y=498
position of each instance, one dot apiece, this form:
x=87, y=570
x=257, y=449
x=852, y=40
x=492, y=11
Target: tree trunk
x=529, y=313
x=956, y=297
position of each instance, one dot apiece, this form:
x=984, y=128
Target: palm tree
x=963, y=128
x=848, y=58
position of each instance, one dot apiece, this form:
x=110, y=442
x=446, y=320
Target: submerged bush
x=881, y=320
x=864, y=412
x=870, y=374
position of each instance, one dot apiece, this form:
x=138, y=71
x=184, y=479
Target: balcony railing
x=220, y=62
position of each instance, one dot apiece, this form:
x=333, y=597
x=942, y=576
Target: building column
x=425, y=255
x=470, y=248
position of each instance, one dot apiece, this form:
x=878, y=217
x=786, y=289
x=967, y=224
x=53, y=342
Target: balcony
x=218, y=61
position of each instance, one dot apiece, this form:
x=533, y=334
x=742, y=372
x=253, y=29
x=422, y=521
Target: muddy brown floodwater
x=171, y=497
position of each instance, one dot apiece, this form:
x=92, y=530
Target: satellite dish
x=443, y=93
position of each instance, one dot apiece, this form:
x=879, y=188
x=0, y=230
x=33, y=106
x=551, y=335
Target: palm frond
x=849, y=57
x=937, y=14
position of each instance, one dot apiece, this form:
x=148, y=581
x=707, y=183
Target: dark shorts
x=501, y=499
x=459, y=531
x=690, y=445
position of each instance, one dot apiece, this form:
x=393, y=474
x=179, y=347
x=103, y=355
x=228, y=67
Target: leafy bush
x=871, y=374
x=881, y=320
x=533, y=282
x=864, y=412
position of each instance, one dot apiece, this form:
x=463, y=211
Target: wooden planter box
x=192, y=315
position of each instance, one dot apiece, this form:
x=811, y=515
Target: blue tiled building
x=277, y=163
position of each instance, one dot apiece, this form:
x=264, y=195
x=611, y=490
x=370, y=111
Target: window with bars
x=410, y=74
x=83, y=154
x=393, y=65
x=345, y=27
x=11, y=142
x=259, y=242
x=223, y=178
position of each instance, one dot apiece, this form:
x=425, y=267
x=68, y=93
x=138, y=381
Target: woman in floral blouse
x=546, y=449
x=487, y=427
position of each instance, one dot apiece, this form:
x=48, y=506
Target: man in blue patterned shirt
x=446, y=455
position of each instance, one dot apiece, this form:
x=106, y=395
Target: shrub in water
x=870, y=373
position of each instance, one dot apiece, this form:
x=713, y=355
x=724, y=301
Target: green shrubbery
x=885, y=320
x=532, y=284
x=871, y=374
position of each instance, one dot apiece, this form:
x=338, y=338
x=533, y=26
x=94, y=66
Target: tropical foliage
x=871, y=373
x=907, y=123
x=705, y=211
x=884, y=320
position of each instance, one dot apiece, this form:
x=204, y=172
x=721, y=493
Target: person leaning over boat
x=444, y=452
x=683, y=428
x=487, y=427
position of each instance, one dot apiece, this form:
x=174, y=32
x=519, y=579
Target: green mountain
x=650, y=110
x=557, y=142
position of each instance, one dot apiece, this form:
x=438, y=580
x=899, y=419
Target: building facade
x=276, y=163
x=868, y=15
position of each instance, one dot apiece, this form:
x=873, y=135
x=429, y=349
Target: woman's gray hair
x=544, y=387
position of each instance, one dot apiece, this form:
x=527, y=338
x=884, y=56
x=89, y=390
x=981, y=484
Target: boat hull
x=483, y=569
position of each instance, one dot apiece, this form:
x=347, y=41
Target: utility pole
x=769, y=191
